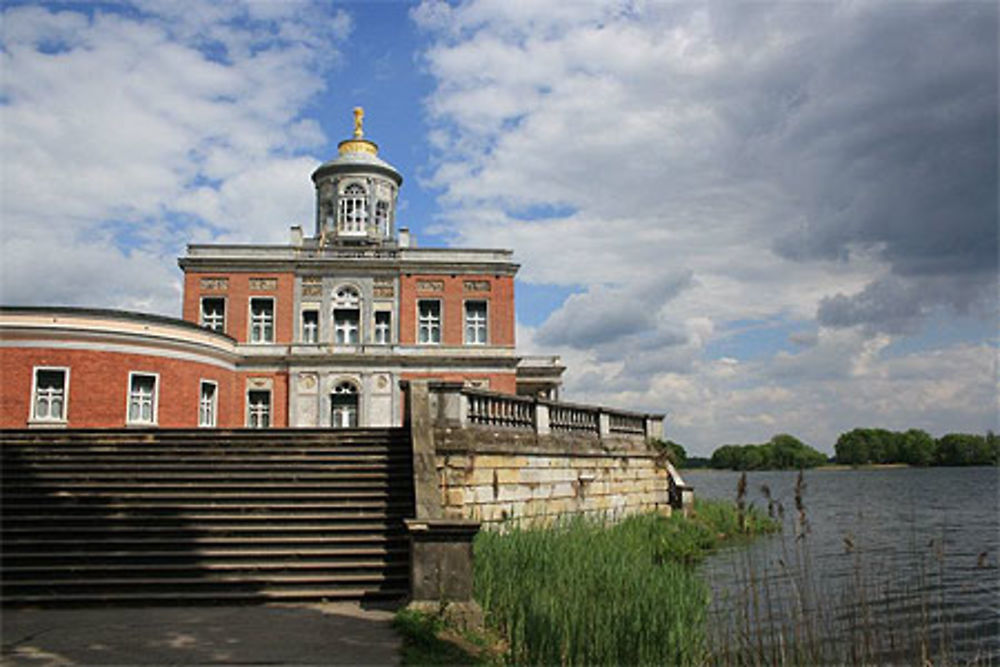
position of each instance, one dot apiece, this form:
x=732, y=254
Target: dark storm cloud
x=897, y=305
x=893, y=148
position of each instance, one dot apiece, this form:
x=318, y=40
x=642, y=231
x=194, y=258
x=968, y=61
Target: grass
x=427, y=640
x=587, y=592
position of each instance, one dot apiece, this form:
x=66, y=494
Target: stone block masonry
x=495, y=477
x=499, y=458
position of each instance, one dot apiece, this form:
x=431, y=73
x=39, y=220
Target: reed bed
x=585, y=591
x=785, y=613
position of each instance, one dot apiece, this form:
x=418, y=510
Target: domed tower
x=356, y=193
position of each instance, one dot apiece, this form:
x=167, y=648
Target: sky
x=755, y=218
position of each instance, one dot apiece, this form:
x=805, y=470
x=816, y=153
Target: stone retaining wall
x=492, y=473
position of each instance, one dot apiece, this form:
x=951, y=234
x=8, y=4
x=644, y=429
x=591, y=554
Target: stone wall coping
x=507, y=450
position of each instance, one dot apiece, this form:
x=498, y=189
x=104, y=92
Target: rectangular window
x=261, y=320
x=310, y=326
x=141, y=398
x=213, y=314
x=475, y=323
x=346, y=326
x=50, y=393
x=429, y=322
x=259, y=409
x=383, y=327
x=207, y=403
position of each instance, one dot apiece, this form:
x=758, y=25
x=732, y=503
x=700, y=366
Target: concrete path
x=314, y=634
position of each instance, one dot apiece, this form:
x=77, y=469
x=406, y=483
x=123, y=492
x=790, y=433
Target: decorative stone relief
x=381, y=382
x=430, y=285
x=477, y=383
x=263, y=284
x=384, y=287
x=477, y=286
x=307, y=382
x=214, y=284
x=312, y=287
x=260, y=383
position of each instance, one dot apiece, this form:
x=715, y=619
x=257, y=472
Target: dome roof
x=357, y=154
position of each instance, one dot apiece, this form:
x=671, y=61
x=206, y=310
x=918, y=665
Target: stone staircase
x=201, y=517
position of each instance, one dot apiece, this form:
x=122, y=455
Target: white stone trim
x=34, y=420
x=274, y=319
x=215, y=403
x=119, y=348
x=465, y=323
x=155, y=407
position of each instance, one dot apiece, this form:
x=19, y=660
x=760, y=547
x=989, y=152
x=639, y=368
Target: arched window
x=344, y=405
x=353, y=209
x=346, y=316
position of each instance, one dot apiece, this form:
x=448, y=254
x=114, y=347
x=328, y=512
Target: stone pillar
x=604, y=422
x=542, y=425
x=440, y=549
x=441, y=569
x=452, y=408
x=654, y=427
x=426, y=494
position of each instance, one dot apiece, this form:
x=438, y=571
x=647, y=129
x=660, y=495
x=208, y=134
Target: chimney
x=297, y=236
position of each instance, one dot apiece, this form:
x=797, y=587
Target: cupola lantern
x=356, y=193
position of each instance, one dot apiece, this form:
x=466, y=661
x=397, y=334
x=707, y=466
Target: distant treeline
x=916, y=447
x=782, y=452
x=860, y=446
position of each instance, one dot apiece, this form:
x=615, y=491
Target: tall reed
x=587, y=592
x=785, y=613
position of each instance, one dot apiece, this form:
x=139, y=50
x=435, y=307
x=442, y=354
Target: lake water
x=891, y=557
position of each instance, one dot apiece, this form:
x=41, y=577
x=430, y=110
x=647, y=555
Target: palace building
x=316, y=333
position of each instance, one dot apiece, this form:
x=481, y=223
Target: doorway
x=344, y=405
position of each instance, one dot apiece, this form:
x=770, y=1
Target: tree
x=962, y=449
x=917, y=448
x=674, y=452
x=852, y=448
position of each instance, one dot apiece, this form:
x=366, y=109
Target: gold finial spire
x=357, y=143
x=359, y=117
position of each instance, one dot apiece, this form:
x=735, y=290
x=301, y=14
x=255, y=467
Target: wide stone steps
x=167, y=517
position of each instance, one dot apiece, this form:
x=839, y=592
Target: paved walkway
x=315, y=634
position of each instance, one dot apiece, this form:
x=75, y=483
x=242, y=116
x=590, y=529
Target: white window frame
x=352, y=214
x=154, y=400
x=251, y=324
x=201, y=313
x=432, y=324
x=213, y=406
x=380, y=330
x=482, y=327
x=33, y=417
x=349, y=328
x=269, y=413
x=347, y=297
x=309, y=340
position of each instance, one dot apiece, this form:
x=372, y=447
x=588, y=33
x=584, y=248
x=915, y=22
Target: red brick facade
x=98, y=387
x=453, y=291
x=237, y=289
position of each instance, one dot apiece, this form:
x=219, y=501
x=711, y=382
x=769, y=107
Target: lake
x=890, y=557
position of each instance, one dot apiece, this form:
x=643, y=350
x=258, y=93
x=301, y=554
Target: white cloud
x=127, y=134
x=791, y=159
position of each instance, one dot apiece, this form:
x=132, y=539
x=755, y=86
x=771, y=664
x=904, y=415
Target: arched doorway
x=344, y=405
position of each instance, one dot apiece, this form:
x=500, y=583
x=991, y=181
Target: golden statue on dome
x=359, y=117
x=357, y=143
